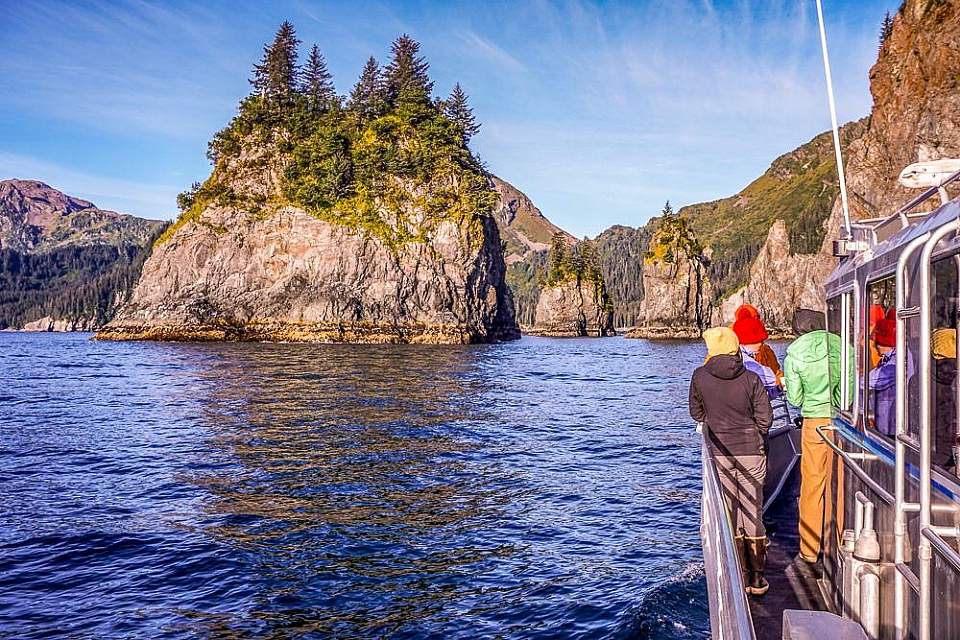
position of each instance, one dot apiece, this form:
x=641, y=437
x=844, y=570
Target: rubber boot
x=756, y=555
x=741, y=545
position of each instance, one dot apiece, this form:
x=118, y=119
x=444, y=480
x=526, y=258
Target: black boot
x=756, y=554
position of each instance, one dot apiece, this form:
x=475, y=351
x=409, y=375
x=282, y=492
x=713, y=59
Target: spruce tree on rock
x=886, y=28
x=275, y=78
x=459, y=112
x=407, y=79
x=317, y=81
x=369, y=94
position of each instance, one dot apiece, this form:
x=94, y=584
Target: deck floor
x=793, y=582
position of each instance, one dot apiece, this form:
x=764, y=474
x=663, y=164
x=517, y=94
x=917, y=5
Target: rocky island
x=365, y=220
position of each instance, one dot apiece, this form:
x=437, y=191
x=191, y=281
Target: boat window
x=944, y=420
x=840, y=324
x=881, y=395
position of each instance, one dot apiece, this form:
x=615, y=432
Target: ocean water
x=537, y=489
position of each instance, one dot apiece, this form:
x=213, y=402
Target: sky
x=599, y=111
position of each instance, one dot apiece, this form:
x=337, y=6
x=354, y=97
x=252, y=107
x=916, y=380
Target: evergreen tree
x=886, y=28
x=667, y=211
x=459, y=112
x=407, y=79
x=368, y=96
x=317, y=81
x=558, y=258
x=275, y=77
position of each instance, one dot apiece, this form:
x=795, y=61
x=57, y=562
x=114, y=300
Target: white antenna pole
x=833, y=120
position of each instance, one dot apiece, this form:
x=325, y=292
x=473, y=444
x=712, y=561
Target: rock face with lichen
x=365, y=222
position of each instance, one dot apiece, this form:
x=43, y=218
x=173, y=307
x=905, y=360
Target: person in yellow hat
x=945, y=441
x=734, y=408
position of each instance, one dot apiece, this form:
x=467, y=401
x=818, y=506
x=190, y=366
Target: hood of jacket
x=725, y=367
x=810, y=347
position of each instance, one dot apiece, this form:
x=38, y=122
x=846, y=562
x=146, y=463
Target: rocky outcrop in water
x=573, y=309
x=232, y=276
x=369, y=221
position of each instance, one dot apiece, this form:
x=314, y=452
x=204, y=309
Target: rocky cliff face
x=64, y=263
x=573, y=309
x=915, y=85
x=232, y=276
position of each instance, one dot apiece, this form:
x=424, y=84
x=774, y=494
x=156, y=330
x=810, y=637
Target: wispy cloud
x=486, y=49
x=142, y=199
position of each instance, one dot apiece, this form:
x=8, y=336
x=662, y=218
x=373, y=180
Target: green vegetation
x=78, y=281
x=799, y=188
x=524, y=278
x=376, y=162
x=579, y=263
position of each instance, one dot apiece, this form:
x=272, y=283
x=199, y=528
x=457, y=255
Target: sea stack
x=367, y=220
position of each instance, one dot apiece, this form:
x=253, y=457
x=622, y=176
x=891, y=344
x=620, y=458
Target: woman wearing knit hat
x=752, y=334
x=757, y=356
x=733, y=406
x=882, y=381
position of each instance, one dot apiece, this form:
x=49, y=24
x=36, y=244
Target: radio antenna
x=836, y=130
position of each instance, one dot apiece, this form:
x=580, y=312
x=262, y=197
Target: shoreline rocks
x=573, y=309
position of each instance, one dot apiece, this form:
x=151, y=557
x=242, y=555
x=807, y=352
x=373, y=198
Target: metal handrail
x=926, y=482
x=949, y=553
x=857, y=469
x=741, y=622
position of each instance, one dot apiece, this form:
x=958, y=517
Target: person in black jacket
x=734, y=408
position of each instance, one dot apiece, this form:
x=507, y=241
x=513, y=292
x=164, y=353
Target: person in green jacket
x=812, y=377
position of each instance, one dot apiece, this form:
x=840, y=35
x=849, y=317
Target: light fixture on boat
x=933, y=173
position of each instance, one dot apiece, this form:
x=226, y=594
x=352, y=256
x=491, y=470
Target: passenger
x=944, y=349
x=735, y=411
x=751, y=333
x=882, y=381
x=763, y=353
x=810, y=386
x=877, y=313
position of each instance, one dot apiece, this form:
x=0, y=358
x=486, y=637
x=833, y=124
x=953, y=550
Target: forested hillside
x=63, y=258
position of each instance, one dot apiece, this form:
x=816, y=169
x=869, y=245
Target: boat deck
x=793, y=582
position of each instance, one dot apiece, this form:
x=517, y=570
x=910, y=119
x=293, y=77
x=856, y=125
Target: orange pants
x=816, y=462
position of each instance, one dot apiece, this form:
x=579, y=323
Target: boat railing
x=729, y=610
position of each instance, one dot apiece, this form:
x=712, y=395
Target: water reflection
x=351, y=485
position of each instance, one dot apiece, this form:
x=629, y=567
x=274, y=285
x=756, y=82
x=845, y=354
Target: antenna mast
x=836, y=130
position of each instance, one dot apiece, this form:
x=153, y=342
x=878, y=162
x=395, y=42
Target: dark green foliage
x=622, y=250
x=407, y=78
x=459, y=112
x=369, y=96
x=557, y=258
x=276, y=77
x=74, y=282
x=317, y=83
x=886, y=28
x=390, y=152
x=185, y=199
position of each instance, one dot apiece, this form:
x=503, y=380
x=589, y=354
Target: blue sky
x=599, y=111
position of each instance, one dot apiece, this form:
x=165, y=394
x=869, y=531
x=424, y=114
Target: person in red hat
x=882, y=381
x=877, y=313
x=752, y=335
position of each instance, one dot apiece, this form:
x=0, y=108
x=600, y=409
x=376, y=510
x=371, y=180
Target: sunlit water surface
x=538, y=489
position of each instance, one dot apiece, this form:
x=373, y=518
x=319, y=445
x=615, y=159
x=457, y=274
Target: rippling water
x=539, y=489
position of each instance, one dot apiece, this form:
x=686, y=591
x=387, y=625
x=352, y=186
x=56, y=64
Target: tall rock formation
x=370, y=222
x=65, y=264
x=573, y=300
